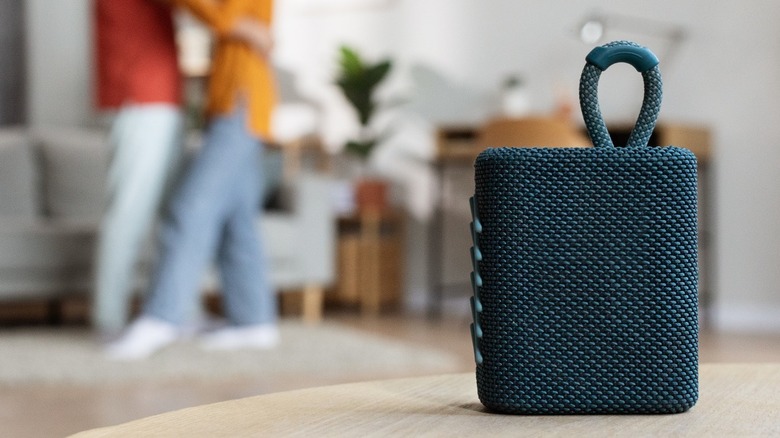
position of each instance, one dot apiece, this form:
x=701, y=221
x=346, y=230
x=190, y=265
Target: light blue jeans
x=146, y=142
x=213, y=212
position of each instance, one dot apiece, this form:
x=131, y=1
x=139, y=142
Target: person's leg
x=199, y=212
x=250, y=303
x=247, y=292
x=146, y=141
x=188, y=238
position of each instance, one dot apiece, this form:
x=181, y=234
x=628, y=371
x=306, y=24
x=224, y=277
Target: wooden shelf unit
x=370, y=261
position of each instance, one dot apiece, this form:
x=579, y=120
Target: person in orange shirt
x=214, y=209
x=137, y=76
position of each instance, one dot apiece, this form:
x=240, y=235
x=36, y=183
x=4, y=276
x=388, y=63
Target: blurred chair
x=302, y=233
x=300, y=239
x=51, y=193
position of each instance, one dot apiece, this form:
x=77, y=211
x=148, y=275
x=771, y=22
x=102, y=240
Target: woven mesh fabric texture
x=587, y=280
x=585, y=270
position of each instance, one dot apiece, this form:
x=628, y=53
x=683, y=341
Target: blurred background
x=456, y=71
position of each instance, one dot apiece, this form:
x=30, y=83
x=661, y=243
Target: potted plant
x=358, y=81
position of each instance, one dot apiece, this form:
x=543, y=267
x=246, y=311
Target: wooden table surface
x=735, y=400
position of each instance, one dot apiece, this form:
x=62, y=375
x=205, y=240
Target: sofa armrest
x=301, y=237
x=313, y=207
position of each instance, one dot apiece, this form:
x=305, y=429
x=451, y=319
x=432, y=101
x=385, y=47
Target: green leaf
x=358, y=82
x=376, y=73
x=361, y=148
x=351, y=64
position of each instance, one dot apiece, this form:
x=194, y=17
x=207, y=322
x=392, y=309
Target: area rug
x=329, y=350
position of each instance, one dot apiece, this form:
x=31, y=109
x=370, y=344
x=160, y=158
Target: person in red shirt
x=137, y=77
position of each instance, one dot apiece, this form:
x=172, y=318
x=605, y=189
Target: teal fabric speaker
x=585, y=267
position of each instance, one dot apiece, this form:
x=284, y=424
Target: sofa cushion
x=75, y=169
x=18, y=176
x=42, y=258
x=46, y=244
x=279, y=233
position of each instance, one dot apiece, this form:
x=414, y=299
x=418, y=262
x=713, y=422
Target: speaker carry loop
x=645, y=62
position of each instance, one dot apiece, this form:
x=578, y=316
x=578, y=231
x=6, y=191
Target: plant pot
x=371, y=195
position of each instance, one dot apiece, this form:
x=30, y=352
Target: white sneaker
x=259, y=336
x=144, y=337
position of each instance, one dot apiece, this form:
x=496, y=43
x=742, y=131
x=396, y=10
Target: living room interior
x=373, y=289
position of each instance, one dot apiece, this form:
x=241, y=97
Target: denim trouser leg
x=213, y=212
x=247, y=296
x=146, y=143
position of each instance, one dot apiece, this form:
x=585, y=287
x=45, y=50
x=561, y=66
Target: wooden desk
x=735, y=400
x=462, y=143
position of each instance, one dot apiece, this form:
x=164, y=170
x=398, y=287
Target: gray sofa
x=51, y=201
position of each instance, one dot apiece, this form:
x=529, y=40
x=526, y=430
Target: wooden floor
x=56, y=411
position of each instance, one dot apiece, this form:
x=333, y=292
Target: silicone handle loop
x=640, y=57
x=637, y=56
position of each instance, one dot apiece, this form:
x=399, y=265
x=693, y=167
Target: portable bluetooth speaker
x=585, y=267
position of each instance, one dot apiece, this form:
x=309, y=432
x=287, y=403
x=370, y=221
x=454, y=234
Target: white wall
x=59, y=62
x=739, y=90
x=726, y=74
